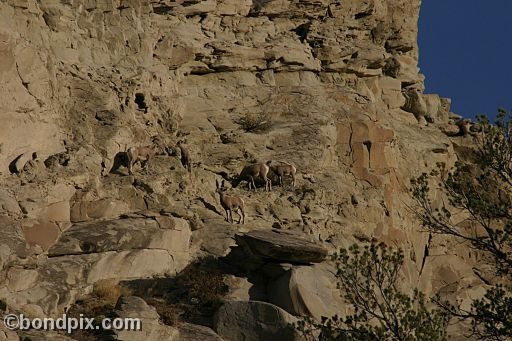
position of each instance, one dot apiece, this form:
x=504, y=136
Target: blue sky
x=466, y=53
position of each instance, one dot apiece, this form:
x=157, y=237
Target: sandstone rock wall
x=83, y=80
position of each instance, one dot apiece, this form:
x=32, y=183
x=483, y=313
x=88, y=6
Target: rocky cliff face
x=333, y=85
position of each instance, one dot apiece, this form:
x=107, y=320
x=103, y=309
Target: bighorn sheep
x=464, y=128
x=463, y=125
x=250, y=172
x=284, y=169
x=185, y=157
x=415, y=103
x=230, y=204
x=140, y=154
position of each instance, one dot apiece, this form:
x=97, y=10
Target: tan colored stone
x=42, y=234
x=330, y=74
x=59, y=212
x=60, y=192
x=233, y=7
x=33, y=311
x=21, y=279
x=7, y=334
x=131, y=265
x=360, y=155
x=378, y=156
x=152, y=329
x=369, y=131
x=307, y=291
x=285, y=212
x=8, y=202
x=103, y=208
x=391, y=92
x=362, y=173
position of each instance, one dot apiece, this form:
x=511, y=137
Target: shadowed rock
x=253, y=320
x=281, y=246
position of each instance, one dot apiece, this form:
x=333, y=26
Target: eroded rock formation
x=82, y=81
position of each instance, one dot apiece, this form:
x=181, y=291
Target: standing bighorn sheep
x=185, y=156
x=463, y=125
x=415, y=103
x=285, y=169
x=256, y=170
x=230, y=204
x=140, y=154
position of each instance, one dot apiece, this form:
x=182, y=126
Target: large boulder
x=123, y=249
x=254, y=321
x=307, y=291
x=151, y=327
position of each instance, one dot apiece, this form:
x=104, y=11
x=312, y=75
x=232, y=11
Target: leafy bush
x=481, y=186
x=369, y=279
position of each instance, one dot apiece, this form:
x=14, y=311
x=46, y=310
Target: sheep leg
x=133, y=165
x=128, y=162
x=227, y=215
x=239, y=215
x=293, y=180
x=243, y=216
x=253, y=184
x=231, y=216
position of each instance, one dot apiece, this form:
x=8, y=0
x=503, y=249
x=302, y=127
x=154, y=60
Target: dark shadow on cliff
x=121, y=159
x=192, y=296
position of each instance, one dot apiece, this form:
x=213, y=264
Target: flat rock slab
x=120, y=249
x=60, y=280
x=123, y=234
x=282, y=246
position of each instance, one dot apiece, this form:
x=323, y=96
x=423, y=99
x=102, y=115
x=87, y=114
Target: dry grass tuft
x=108, y=290
x=255, y=122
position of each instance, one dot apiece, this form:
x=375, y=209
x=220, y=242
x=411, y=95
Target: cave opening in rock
x=368, y=145
x=140, y=101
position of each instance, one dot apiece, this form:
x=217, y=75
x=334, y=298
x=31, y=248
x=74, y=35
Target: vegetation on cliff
x=370, y=280
x=480, y=186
